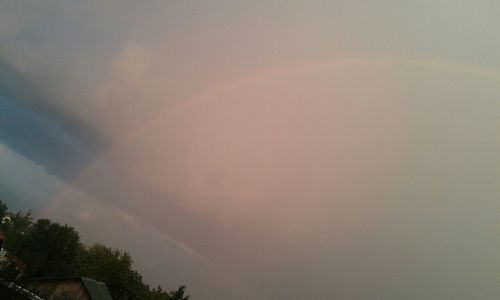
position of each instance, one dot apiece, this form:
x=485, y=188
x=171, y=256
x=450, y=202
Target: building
x=59, y=288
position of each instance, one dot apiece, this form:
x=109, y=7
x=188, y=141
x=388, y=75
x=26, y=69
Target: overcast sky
x=263, y=149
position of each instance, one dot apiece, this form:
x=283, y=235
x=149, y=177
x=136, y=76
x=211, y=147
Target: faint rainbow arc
x=270, y=74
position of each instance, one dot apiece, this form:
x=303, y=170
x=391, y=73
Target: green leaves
x=114, y=267
x=49, y=249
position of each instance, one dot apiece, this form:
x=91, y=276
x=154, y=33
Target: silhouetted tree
x=3, y=209
x=114, y=267
x=48, y=249
x=158, y=294
x=179, y=294
x=14, y=227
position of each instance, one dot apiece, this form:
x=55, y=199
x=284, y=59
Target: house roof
x=97, y=290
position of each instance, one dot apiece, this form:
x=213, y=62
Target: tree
x=3, y=209
x=48, y=249
x=15, y=226
x=114, y=267
x=158, y=294
x=179, y=294
x=17, y=222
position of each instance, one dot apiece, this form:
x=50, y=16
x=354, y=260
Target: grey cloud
x=359, y=181
x=63, y=146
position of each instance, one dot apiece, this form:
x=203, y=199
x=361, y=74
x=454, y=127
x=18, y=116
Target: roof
x=96, y=290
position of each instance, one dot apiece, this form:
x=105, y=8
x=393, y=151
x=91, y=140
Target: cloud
x=24, y=181
x=40, y=137
x=193, y=140
x=36, y=190
x=308, y=181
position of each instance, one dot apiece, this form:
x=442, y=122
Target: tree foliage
x=49, y=249
x=179, y=294
x=113, y=267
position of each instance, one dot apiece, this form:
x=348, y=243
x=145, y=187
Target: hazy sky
x=263, y=149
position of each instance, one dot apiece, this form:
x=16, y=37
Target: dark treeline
x=49, y=249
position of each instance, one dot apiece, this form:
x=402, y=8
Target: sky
x=263, y=149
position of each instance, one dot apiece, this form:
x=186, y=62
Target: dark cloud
x=37, y=131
